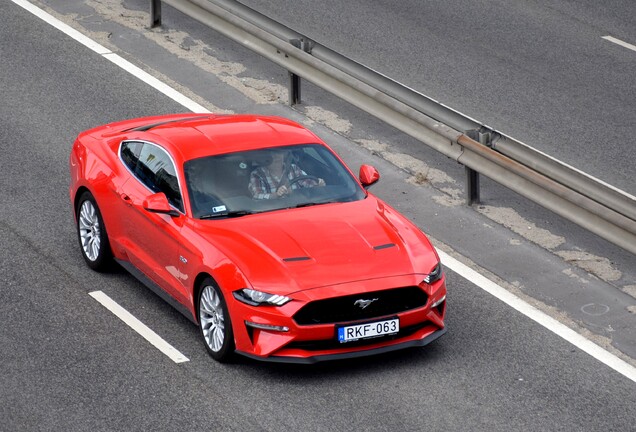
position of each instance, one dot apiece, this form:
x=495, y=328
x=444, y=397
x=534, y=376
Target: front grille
x=344, y=309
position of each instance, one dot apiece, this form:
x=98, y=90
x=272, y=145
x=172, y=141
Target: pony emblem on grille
x=364, y=303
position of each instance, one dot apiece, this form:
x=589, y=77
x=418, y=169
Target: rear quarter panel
x=94, y=165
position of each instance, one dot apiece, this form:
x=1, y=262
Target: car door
x=152, y=240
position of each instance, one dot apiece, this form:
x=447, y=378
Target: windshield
x=241, y=183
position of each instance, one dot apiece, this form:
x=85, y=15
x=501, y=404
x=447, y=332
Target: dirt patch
x=630, y=289
x=569, y=272
x=511, y=219
x=598, y=266
x=329, y=119
x=448, y=201
x=373, y=145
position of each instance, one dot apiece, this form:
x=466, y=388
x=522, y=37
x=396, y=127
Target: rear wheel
x=214, y=322
x=91, y=233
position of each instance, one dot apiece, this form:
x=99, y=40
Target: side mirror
x=158, y=203
x=368, y=176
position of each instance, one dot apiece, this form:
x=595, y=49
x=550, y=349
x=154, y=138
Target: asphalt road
x=68, y=364
x=536, y=70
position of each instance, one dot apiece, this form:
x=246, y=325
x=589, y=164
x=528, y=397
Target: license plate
x=369, y=330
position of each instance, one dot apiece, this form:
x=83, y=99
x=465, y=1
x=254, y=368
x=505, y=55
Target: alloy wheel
x=212, y=318
x=89, y=230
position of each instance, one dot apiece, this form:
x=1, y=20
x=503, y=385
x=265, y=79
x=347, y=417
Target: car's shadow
x=339, y=369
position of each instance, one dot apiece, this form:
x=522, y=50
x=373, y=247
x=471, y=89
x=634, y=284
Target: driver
x=276, y=179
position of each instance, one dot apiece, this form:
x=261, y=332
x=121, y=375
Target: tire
x=91, y=233
x=214, y=322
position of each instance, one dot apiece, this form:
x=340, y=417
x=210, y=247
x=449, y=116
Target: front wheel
x=91, y=233
x=214, y=322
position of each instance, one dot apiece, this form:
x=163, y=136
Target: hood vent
x=384, y=246
x=292, y=259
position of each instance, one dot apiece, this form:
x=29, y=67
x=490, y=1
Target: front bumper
x=318, y=342
x=311, y=359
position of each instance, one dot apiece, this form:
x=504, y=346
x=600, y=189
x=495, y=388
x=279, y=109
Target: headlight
x=257, y=298
x=434, y=275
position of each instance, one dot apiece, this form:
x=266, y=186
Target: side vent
x=292, y=259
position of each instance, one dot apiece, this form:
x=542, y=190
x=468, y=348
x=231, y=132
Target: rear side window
x=130, y=152
x=154, y=168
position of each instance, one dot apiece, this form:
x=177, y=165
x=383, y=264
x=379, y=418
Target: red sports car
x=256, y=230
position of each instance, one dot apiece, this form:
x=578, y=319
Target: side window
x=130, y=152
x=155, y=169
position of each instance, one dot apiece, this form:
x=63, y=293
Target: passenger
x=276, y=178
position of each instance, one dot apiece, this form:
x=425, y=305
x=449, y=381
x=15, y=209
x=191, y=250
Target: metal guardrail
x=568, y=192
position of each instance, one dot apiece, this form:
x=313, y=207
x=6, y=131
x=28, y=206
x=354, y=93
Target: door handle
x=126, y=199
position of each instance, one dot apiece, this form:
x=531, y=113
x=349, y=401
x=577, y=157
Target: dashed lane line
x=141, y=328
x=620, y=42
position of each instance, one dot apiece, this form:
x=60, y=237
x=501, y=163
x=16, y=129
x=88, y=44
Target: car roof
x=194, y=136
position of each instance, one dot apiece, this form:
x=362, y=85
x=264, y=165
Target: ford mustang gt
x=256, y=230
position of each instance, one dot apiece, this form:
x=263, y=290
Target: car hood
x=292, y=250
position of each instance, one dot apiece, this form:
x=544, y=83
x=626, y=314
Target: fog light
x=267, y=327
x=438, y=302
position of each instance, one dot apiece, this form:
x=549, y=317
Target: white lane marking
x=63, y=27
x=469, y=274
x=538, y=316
x=141, y=328
x=118, y=60
x=164, y=88
x=620, y=42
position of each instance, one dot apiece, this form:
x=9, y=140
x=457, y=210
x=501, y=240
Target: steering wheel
x=303, y=177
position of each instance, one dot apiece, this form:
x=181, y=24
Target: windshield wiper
x=236, y=213
x=312, y=203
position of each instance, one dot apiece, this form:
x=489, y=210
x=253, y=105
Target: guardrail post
x=472, y=176
x=155, y=13
x=294, y=89
x=294, y=80
x=472, y=186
